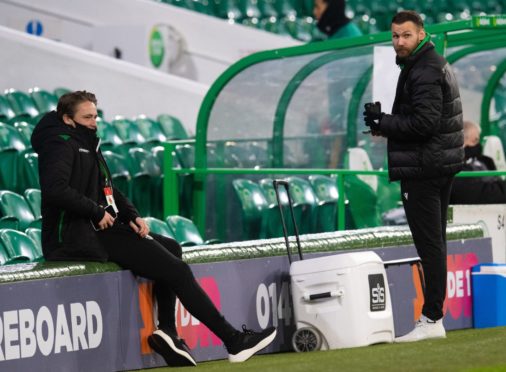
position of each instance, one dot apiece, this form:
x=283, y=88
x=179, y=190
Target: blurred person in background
x=332, y=20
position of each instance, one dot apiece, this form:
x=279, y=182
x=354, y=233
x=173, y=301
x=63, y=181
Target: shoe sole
x=177, y=358
x=248, y=353
x=399, y=340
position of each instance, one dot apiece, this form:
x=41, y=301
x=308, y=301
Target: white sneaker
x=424, y=329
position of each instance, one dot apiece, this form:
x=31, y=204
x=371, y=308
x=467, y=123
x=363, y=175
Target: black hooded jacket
x=73, y=174
x=333, y=18
x=425, y=130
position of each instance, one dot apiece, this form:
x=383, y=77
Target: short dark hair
x=407, y=16
x=67, y=104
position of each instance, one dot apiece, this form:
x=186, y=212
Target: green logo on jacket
x=64, y=136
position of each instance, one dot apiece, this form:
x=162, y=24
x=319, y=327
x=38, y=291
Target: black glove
x=373, y=115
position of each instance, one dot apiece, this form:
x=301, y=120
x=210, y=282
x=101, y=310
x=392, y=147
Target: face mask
x=472, y=151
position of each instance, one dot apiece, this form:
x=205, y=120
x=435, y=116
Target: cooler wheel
x=306, y=339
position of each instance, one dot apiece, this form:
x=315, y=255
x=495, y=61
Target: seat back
x=184, y=230
x=109, y=137
x=493, y=148
x=28, y=170
x=60, y=91
x=118, y=168
x=14, y=205
x=253, y=208
x=128, y=131
x=327, y=197
x=172, y=127
x=6, y=112
x=362, y=203
x=150, y=129
x=33, y=198
x=358, y=159
x=11, y=143
x=19, y=247
x=25, y=129
x=159, y=227
x=303, y=197
x=36, y=235
x=22, y=104
x=44, y=101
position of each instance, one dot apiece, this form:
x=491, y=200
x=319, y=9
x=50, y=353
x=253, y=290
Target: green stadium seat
x=285, y=8
x=267, y=8
x=145, y=174
x=159, y=227
x=22, y=104
x=109, y=137
x=25, y=129
x=184, y=231
x=15, y=205
x=6, y=112
x=19, y=247
x=28, y=170
x=44, y=101
x=58, y=92
x=363, y=203
x=128, y=131
x=120, y=173
x=327, y=197
x=33, y=198
x=253, y=209
x=172, y=127
x=150, y=129
x=4, y=257
x=249, y=9
x=36, y=235
x=274, y=226
x=303, y=198
x=11, y=143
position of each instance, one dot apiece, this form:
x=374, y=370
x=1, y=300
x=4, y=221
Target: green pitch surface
x=463, y=350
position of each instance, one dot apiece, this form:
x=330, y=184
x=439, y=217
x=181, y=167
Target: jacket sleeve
x=55, y=170
x=425, y=90
x=127, y=211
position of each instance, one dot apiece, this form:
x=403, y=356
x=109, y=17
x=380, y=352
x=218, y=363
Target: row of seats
x=20, y=212
x=17, y=106
x=294, y=17
x=20, y=247
x=179, y=228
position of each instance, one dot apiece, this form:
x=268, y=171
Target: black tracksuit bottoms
x=160, y=260
x=426, y=205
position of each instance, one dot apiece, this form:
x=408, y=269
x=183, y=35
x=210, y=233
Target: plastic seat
x=19, y=247
x=60, y=91
x=28, y=170
x=22, y=104
x=150, y=129
x=249, y=8
x=303, y=198
x=159, y=227
x=185, y=231
x=33, y=198
x=227, y=9
x=145, y=174
x=109, y=137
x=128, y=131
x=44, y=101
x=119, y=170
x=25, y=129
x=274, y=226
x=267, y=8
x=358, y=159
x=4, y=257
x=11, y=143
x=493, y=148
x=35, y=234
x=6, y=112
x=172, y=127
x=253, y=209
x=15, y=205
x=362, y=203
x=327, y=197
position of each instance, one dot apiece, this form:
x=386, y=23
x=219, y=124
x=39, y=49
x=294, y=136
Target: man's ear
x=422, y=34
x=68, y=121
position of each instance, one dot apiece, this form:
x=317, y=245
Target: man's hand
x=106, y=221
x=372, y=117
x=140, y=227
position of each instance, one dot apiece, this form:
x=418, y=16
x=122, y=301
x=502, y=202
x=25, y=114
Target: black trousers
x=426, y=205
x=160, y=260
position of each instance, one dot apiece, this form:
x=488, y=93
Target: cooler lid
x=333, y=262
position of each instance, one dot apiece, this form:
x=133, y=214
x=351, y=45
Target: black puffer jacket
x=425, y=130
x=73, y=174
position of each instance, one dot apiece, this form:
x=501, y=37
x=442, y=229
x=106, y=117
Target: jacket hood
x=50, y=126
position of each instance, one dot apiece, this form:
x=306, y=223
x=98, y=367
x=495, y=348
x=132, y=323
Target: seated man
x=477, y=190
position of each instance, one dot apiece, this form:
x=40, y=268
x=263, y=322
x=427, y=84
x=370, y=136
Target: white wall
x=121, y=87
x=210, y=44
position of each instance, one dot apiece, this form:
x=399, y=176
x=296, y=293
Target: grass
x=463, y=350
